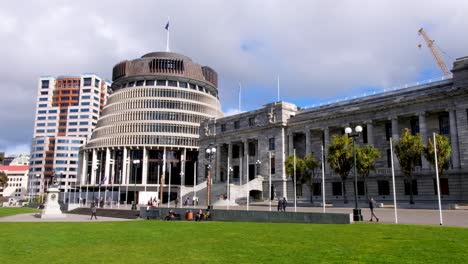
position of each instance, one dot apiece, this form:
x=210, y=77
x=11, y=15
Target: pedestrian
x=285, y=204
x=93, y=211
x=280, y=205
x=371, y=207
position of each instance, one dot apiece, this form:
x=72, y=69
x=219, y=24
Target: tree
x=444, y=151
x=310, y=166
x=408, y=151
x=300, y=168
x=365, y=162
x=340, y=158
x=3, y=179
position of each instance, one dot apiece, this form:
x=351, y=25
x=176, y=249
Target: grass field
x=225, y=242
x=7, y=211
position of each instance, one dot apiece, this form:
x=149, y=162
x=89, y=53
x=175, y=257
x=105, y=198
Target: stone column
x=144, y=167
x=395, y=129
x=246, y=156
x=370, y=133
x=423, y=133
x=291, y=143
x=326, y=140
x=94, y=167
x=454, y=139
x=84, y=168
x=183, y=176
x=308, y=146
x=124, y=166
x=218, y=164
x=107, y=167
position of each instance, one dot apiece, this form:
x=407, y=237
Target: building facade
x=149, y=129
x=17, y=185
x=256, y=143
x=67, y=111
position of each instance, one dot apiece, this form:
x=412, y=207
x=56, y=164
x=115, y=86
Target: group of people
x=282, y=204
x=193, y=202
x=153, y=202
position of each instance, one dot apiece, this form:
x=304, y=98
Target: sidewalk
x=70, y=218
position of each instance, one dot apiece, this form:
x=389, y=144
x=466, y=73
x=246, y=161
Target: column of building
x=454, y=139
x=395, y=138
x=144, y=167
x=423, y=133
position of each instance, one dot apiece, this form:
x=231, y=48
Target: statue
x=271, y=116
x=207, y=130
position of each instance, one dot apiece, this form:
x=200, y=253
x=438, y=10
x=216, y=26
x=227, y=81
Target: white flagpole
x=269, y=180
x=437, y=179
x=247, y=180
x=169, y=188
x=194, y=182
x=323, y=181
x=86, y=201
x=278, y=87
x=295, y=185
x=393, y=181
x=240, y=96
x=227, y=183
x=157, y=182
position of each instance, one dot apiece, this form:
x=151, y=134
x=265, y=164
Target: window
x=223, y=127
x=42, y=99
x=52, y=117
x=44, y=93
x=161, y=82
x=62, y=148
x=40, y=141
x=183, y=84
x=50, y=130
x=42, y=105
x=388, y=130
x=389, y=158
x=84, y=123
x=317, y=188
x=40, y=130
x=414, y=187
x=41, y=111
x=86, y=90
x=252, y=149
x=444, y=124
x=149, y=82
x=236, y=124
x=87, y=81
x=444, y=186
x=336, y=188
x=96, y=83
x=83, y=129
x=194, y=87
x=73, y=117
x=86, y=97
x=172, y=83
x=140, y=83
x=271, y=144
x=272, y=168
x=84, y=116
x=365, y=135
x=41, y=118
x=73, y=123
x=72, y=130
x=40, y=124
x=251, y=121
x=360, y=188
x=85, y=110
x=73, y=110
x=45, y=84
x=383, y=187
x=53, y=111
x=235, y=151
x=414, y=124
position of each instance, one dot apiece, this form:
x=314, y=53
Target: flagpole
x=295, y=196
x=393, y=182
x=227, y=185
x=240, y=96
x=169, y=188
x=269, y=181
x=323, y=181
x=167, y=35
x=86, y=201
x=437, y=179
x=278, y=87
x=247, y=180
x=120, y=184
x=194, y=182
x=157, y=182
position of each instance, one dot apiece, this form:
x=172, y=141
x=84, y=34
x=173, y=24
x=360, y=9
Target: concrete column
x=218, y=164
x=246, y=163
x=84, y=168
x=163, y=176
x=308, y=146
x=395, y=129
x=454, y=139
x=370, y=133
x=291, y=144
x=124, y=166
x=423, y=133
x=144, y=174
x=107, y=167
x=326, y=140
x=183, y=176
x=94, y=167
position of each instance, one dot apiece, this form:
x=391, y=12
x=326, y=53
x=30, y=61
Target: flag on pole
x=167, y=26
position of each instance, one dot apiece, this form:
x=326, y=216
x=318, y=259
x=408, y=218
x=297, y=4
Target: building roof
x=19, y=168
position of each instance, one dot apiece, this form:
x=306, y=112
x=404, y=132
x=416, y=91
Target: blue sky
x=322, y=50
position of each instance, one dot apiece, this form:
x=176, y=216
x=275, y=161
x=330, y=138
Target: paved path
x=70, y=218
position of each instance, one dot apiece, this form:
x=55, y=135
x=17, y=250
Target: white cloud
x=320, y=49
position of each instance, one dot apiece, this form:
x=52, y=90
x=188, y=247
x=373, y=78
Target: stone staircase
x=217, y=189
x=239, y=192
x=116, y=213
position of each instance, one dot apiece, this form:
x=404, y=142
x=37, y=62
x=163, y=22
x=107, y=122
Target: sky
x=321, y=50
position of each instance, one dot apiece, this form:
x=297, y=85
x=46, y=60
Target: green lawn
x=225, y=242
x=7, y=211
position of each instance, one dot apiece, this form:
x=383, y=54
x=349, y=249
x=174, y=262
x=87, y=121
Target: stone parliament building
x=253, y=145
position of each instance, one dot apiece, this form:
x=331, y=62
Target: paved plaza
x=34, y=217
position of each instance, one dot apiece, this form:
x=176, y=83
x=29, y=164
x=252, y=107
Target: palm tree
x=408, y=151
x=340, y=158
x=365, y=162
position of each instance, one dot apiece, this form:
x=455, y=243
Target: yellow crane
x=435, y=53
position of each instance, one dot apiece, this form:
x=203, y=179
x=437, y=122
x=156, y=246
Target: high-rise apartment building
x=67, y=111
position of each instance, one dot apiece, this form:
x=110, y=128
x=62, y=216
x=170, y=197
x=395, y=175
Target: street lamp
x=210, y=152
x=137, y=164
x=257, y=164
x=357, y=216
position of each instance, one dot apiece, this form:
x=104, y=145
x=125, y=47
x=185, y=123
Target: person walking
x=280, y=205
x=371, y=207
x=93, y=211
x=285, y=204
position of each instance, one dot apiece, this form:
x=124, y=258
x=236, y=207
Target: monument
x=52, y=207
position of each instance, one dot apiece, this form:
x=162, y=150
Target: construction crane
x=435, y=53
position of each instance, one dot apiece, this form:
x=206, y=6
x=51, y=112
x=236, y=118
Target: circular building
x=148, y=131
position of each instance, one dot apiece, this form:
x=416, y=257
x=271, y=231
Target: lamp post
x=357, y=216
x=137, y=164
x=210, y=152
x=257, y=164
